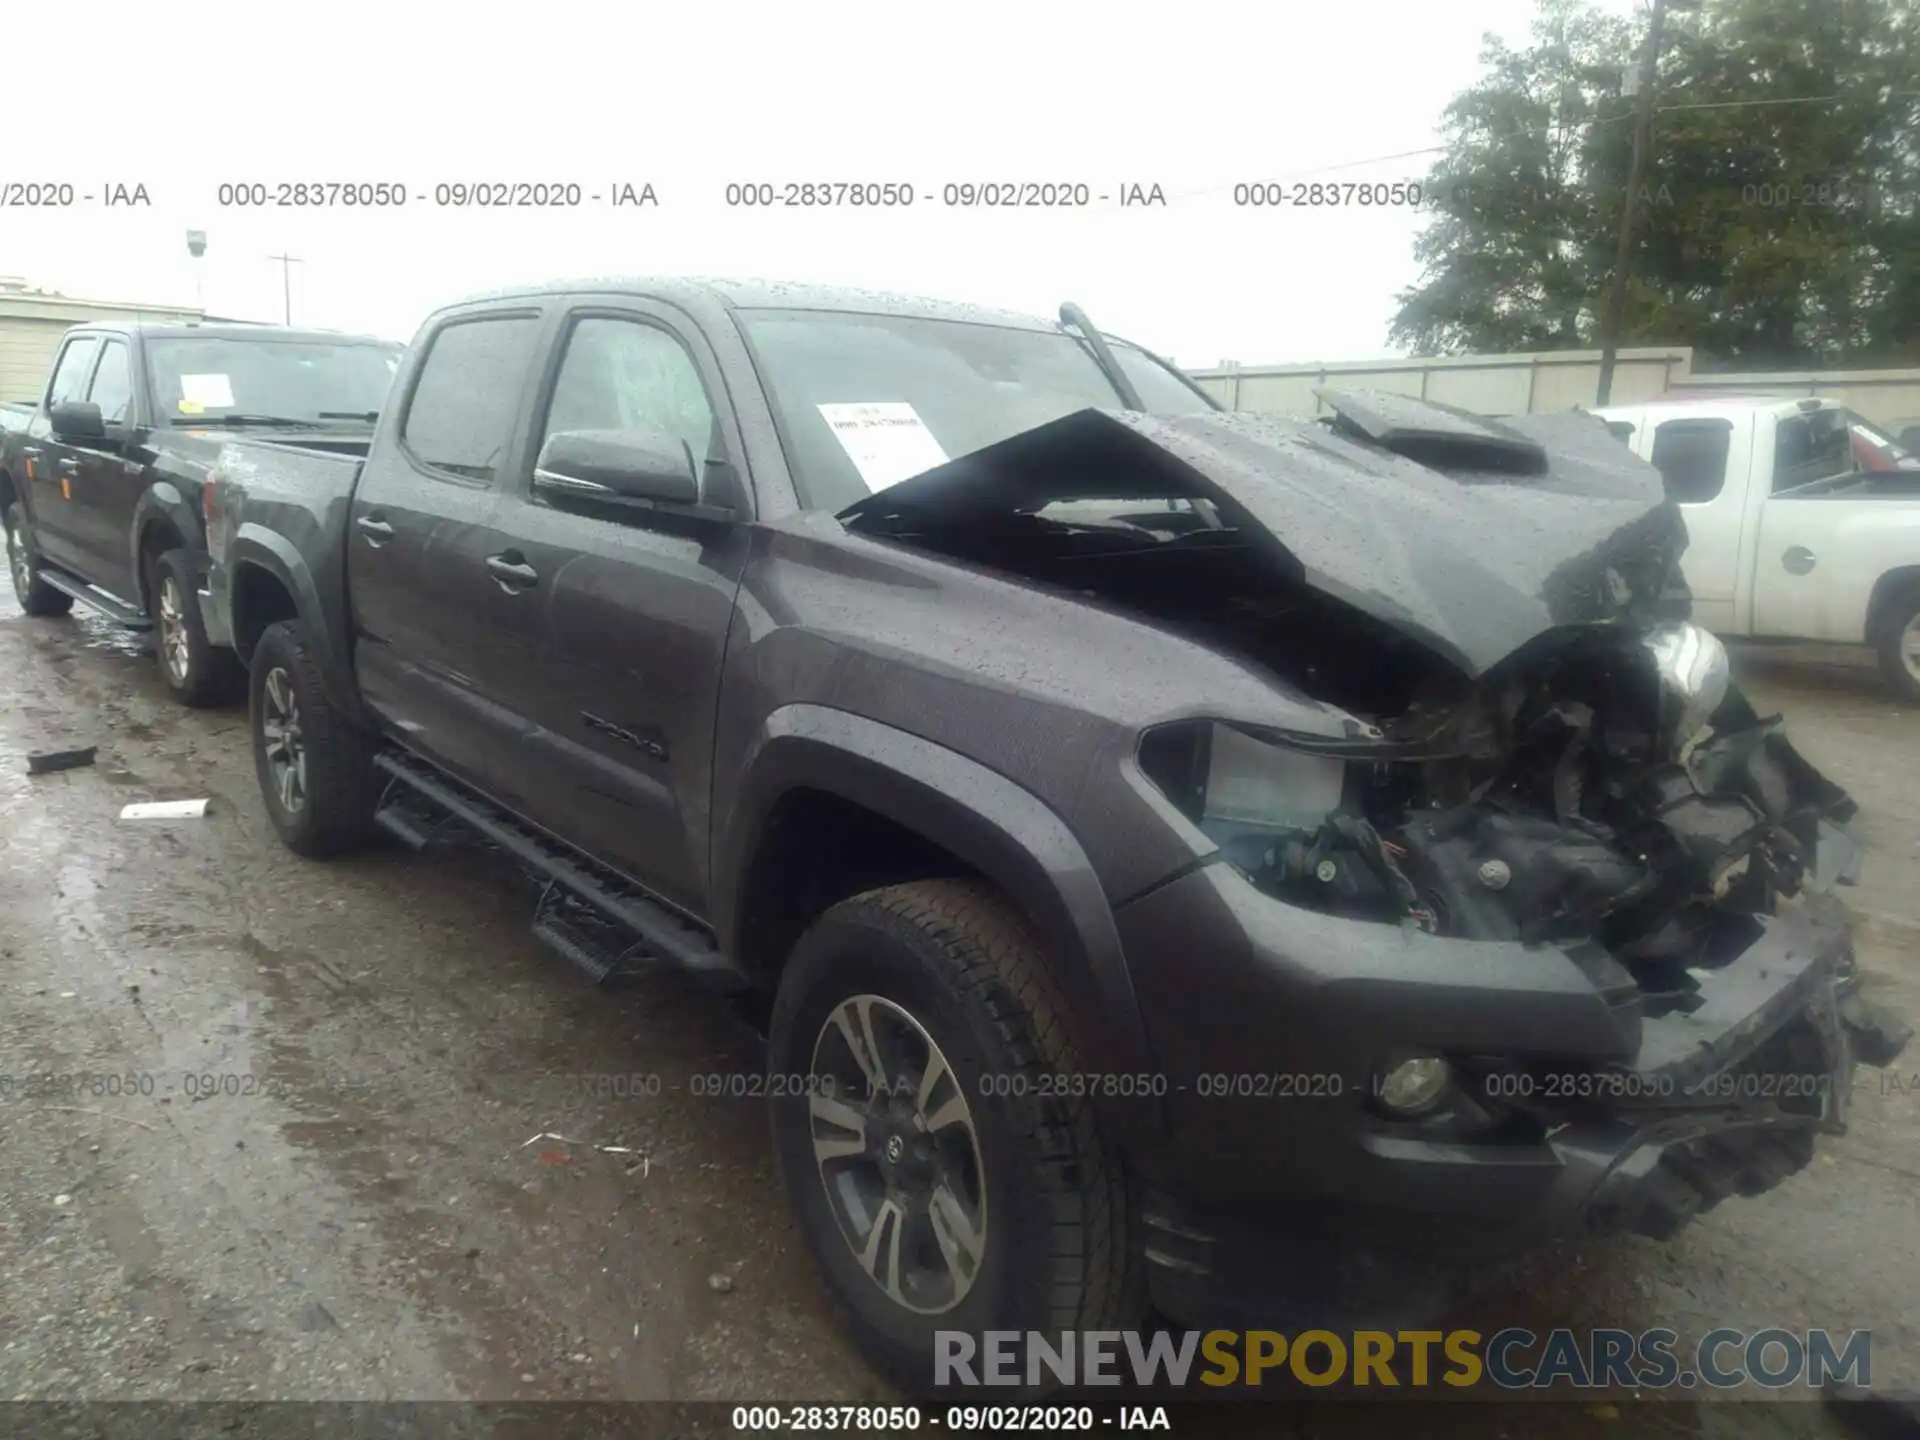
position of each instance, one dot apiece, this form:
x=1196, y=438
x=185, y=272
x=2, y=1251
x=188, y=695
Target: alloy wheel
x=285, y=743
x=173, y=629
x=18, y=562
x=1910, y=647
x=896, y=1148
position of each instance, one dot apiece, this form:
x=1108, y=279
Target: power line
x=1285, y=176
x=1337, y=166
x=1788, y=100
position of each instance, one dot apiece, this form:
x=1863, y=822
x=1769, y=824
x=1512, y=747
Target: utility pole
x=1616, y=311
x=197, y=248
x=287, y=262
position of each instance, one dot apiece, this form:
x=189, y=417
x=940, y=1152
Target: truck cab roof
x=225, y=330
x=708, y=294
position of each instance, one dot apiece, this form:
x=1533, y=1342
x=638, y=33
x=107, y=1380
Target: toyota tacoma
x=1188, y=859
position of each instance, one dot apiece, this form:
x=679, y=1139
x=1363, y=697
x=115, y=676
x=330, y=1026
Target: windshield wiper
x=215, y=422
x=1071, y=315
x=370, y=416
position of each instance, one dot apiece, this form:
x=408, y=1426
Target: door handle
x=377, y=531
x=71, y=466
x=513, y=572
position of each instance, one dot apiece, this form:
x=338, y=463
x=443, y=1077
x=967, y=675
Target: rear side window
x=70, y=377
x=113, y=385
x=460, y=418
x=1812, y=447
x=1691, y=456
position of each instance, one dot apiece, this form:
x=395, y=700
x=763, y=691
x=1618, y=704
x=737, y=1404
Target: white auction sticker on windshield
x=205, y=390
x=887, y=440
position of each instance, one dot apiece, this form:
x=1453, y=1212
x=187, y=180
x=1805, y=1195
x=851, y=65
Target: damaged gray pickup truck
x=1206, y=859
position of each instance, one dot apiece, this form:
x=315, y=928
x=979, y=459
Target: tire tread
x=1892, y=667
x=41, y=601
x=1099, y=1276
x=340, y=774
x=213, y=672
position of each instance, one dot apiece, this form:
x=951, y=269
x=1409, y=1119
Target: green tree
x=1771, y=234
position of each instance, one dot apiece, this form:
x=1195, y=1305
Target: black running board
x=593, y=916
x=114, y=608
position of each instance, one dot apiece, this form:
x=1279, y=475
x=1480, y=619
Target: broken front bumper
x=1575, y=1112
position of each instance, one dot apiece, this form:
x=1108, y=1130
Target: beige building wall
x=1550, y=380
x=32, y=322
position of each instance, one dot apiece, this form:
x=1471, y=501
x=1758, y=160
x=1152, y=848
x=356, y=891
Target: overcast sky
x=183, y=97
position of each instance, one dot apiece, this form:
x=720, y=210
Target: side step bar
x=112, y=607
x=593, y=916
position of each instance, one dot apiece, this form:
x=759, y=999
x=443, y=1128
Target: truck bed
x=265, y=495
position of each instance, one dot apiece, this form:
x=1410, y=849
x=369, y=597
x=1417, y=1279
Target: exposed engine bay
x=1540, y=747
x=1617, y=790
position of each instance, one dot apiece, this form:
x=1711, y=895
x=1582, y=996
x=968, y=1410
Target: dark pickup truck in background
x=100, y=482
x=1175, y=854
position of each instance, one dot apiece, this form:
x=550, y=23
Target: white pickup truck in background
x=1803, y=520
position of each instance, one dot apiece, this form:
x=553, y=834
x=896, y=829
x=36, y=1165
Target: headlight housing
x=1289, y=817
x=1233, y=784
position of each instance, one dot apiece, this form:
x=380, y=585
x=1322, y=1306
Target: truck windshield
x=201, y=378
x=864, y=401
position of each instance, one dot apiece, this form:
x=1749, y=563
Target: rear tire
x=946, y=976
x=197, y=672
x=1900, y=647
x=36, y=597
x=314, y=765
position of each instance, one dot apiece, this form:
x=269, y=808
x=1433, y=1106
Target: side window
x=1691, y=456
x=1621, y=430
x=113, y=385
x=628, y=375
x=70, y=375
x=460, y=416
x=1811, y=447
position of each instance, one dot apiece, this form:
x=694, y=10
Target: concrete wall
x=1550, y=380
x=31, y=324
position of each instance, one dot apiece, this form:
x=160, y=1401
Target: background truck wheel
x=197, y=672
x=36, y=597
x=315, y=766
x=930, y=1199
x=1900, y=647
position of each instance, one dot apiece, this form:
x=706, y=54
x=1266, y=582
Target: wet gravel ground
x=300, y=1167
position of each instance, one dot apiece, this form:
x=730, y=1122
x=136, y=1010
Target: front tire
x=1900, y=647
x=314, y=765
x=941, y=1181
x=36, y=597
x=197, y=672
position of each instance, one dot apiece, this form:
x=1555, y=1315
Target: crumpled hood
x=1499, y=531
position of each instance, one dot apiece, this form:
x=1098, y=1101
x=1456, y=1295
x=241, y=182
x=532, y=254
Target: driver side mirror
x=77, y=420
x=643, y=465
